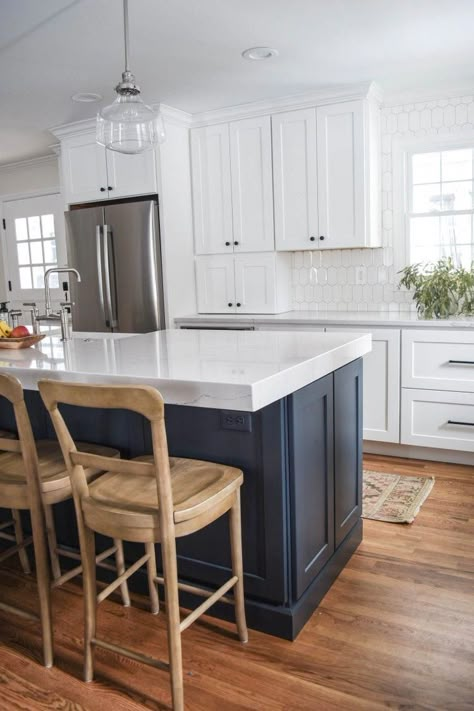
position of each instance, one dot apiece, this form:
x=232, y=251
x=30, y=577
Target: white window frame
x=402, y=150
x=9, y=261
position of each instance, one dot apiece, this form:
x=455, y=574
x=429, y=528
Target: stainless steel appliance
x=116, y=249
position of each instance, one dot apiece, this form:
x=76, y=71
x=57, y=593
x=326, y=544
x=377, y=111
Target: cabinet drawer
x=438, y=360
x=435, y=418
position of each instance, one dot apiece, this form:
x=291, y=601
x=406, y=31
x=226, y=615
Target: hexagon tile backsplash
x=365, y=279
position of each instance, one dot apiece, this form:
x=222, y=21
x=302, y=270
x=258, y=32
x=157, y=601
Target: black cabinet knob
x=227, y=244
x=238, y=304
x=229, y=304
x=321, y=238
x=236, y=243
x=311, y=239
x=109, y=187
x=102, y=190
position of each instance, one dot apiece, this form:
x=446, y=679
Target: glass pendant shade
x=129, y=125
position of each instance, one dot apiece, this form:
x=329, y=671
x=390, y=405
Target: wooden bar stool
x=29, y=470
x=148, y=499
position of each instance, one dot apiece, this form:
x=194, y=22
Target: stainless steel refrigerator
x=116, y=249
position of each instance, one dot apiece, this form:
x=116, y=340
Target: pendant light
x=129, y=125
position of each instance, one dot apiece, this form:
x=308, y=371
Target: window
x=440, y=206
x=34, y=243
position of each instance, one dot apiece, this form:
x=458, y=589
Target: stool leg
x=52, y=542
x=170, y=574
x=90, y=600
x=23, y=555
x=120, y=565
x=44, y=584
x=151, y=572
x=237, y=567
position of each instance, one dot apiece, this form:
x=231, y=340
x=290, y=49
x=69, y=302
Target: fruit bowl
x=22, y=342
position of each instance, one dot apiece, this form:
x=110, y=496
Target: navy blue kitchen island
x=301, y=455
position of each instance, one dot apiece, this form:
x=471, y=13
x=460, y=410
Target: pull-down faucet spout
x=47, y=288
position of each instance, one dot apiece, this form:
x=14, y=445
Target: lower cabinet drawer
x=435, y=418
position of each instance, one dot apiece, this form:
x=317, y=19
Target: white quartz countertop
x=381, y=319
x=236, y=370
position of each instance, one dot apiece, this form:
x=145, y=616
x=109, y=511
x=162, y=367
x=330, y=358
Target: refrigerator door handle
x=112, y=320
x=98, y=244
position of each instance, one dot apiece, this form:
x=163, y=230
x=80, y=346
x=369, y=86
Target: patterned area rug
x=393, y=497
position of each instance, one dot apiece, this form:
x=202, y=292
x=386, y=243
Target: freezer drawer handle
x=461, y=362
x=99, y=267
x=456, y=422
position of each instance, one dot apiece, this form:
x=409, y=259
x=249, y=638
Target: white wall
x=366, y=279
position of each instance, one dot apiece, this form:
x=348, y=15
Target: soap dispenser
x=4, y=313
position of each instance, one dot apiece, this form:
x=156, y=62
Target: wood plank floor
x=395, y=631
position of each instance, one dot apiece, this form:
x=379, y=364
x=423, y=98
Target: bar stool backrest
x=144, y=400
x=18, y=496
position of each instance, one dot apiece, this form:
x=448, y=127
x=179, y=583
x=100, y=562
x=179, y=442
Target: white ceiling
x=186, y=53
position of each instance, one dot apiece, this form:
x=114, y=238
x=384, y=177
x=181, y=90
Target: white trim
x=10, y=197
x=28, y=162
x=416, y=452
x=419, y=96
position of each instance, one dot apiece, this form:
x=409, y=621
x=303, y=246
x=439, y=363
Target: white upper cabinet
x=252, y=190
x=348, y=181
x=295, y=175
x=211, y=182
x=90, y=172
x=215, y=284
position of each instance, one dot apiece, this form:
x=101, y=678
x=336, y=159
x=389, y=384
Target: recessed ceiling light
x=86, y=97
x=259, y=53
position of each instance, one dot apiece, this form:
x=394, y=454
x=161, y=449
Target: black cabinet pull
x=461, y=362
x=227, y=244
x=238, y=304
x=311, y=239
x=236, y=243
x=456, y=422
x=102, y=190
x=321, y=237
x=109, y=187
x=229, y=304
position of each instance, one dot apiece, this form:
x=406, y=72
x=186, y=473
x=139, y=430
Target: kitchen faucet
x=47, y=288
x=50, y=315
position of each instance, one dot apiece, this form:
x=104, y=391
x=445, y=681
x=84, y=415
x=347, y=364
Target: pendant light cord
x=125, y=32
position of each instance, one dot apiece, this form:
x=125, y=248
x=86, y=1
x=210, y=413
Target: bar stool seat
x=198, y=488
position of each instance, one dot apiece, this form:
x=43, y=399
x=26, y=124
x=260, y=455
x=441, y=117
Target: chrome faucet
x=47, y=288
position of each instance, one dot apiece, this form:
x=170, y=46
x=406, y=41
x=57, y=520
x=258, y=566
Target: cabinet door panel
x=311, y=480
x=212, y=203
x=255, y=283
x=252, y=193
x=215, y=284
x=341, y=175
x=381, y=384
x=131, y=174
x=84, y=169
x=347, y=448
x=295, y=179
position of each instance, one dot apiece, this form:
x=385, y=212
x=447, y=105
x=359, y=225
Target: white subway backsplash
x=365, y=279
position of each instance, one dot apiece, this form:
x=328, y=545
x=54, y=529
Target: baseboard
x=430, y=454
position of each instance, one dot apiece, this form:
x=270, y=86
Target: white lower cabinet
x=438, y=418
x=381, y=384
x=243, y=283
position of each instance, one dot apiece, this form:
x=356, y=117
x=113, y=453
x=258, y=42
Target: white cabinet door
x=131, y=174
x=215, y=284
x=295, y=180
x=252, y=190
x=211, y=183
x=255, y=283
x=84, y=169
x=381, y=384
x=341, y=175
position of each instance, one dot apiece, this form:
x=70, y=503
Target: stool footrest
x=211, y=599
x=122, y=578
x=78, y=569
x=143, y=658
x=19, y=612
x=15, y=549
x=6, y=524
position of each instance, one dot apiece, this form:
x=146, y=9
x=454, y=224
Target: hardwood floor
x=396, y=630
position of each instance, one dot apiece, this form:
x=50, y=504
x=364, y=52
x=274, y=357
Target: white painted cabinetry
x=438, y=389
x=381, y=384
x=244, y=283
x=90, y=172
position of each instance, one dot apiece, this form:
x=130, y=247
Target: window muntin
x=440, y=206
x=36, y=250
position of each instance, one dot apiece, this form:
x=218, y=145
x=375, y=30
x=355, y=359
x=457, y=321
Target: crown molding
x=328, y=95
x=175, y=116
x=420, y=95
x=28, y=162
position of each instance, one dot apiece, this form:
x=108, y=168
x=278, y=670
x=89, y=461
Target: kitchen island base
x=301, y=499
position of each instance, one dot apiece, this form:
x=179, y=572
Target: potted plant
x=440, y=289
